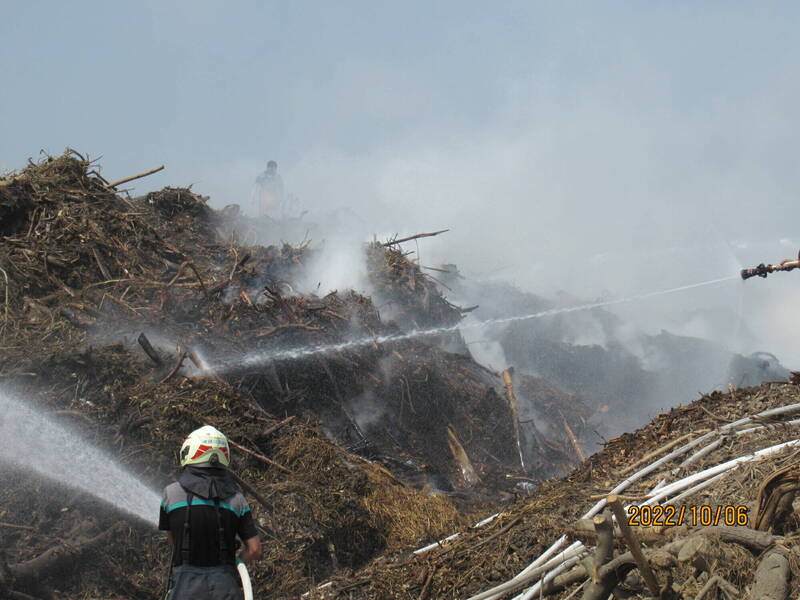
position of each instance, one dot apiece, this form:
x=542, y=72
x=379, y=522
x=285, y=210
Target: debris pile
x=318, y=506
x=414, y=298
x=134, y=320
x=728, y=467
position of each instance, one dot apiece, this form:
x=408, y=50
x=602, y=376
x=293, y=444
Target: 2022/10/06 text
x=703, y=515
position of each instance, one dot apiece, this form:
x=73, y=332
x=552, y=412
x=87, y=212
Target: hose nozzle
x=761, y=270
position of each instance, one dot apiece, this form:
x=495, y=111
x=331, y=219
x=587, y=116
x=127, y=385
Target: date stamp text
x=675, y=516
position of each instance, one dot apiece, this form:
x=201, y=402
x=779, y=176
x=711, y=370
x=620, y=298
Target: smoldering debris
x=626, y=375
x=739, y=453
x=116, y=312
x=116, y=309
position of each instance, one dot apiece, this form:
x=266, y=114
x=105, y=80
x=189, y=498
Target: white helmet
x=203, y=444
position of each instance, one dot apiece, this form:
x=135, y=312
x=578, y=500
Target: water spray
x=763, y=270
x=298, y=353
x=41, y=445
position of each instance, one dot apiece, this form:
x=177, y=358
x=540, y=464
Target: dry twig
x=175, y=369
x=260, y=457
x=414, y=237
x=111, y=186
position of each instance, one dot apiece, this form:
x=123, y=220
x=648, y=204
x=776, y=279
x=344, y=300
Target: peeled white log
x=628, y=481
x=777, y=424
x=702, y=452
x=716, y=444
x=631, y=479
x=547, y=554
x=486, y=521
x=534, y=590
x=711, y=471
x=542, y=559
x=693, y=490
x=436, y=544
x=533, y=574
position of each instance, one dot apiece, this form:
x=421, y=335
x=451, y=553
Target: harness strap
x=223, y=544
x=186, y=548
x=186, y=545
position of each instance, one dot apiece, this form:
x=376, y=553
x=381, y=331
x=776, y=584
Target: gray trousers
x=204, y=583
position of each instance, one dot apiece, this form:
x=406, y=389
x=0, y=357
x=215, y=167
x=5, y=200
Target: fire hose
x=247, y=586
x=763, y=270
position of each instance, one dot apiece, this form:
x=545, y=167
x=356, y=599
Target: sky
x=595, y=148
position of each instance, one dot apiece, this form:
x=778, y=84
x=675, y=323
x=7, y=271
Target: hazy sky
x=597, y=147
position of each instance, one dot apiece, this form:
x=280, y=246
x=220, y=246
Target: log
x=270, y=330
x=600, y=587
x=245, y=298
x=755, y=541
x=634, y=546
x=426, y=586
x=604, y=551
x=58, y=558
x=55, y=261
x=218, y=286
x=669, y=446
x=199, y=279
x=238, y=265
x=462, y=458
x=700, y=552
x=334, y=558
x=772, y=577
x=584, y=529
x=512, y=403
x=74, y=319
x=573, y=440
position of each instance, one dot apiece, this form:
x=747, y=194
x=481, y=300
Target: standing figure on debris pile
x=267, y=196
x=202, y=513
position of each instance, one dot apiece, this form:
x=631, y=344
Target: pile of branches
x=137, y=319
x=318, y=507
x=88, y=266
x=413, y=297
x=598, y=531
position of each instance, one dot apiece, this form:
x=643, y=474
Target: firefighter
x=267, y=196
x=203, y=512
